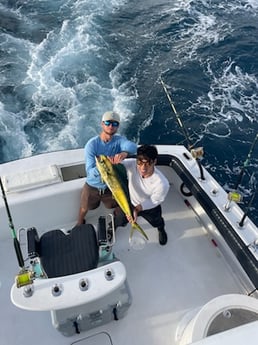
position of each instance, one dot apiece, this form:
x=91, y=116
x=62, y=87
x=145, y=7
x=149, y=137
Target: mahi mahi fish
x=109, y=176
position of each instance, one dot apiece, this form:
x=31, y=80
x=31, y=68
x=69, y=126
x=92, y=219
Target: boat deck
x=166, y=283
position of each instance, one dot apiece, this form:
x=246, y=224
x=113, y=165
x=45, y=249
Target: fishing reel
x=27, y=276
x=24, y=278
x=198, y=152
x=233, y=196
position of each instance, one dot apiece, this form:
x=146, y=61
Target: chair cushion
x=64, y=254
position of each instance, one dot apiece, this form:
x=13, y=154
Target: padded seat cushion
x=64, y=254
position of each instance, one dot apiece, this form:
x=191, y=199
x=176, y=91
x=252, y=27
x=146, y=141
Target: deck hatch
x=31, y=179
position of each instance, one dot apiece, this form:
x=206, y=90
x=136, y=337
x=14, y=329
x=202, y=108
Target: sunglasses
x=144, y=162
x=112, y=123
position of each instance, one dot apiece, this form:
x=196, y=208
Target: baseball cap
x=111, y=116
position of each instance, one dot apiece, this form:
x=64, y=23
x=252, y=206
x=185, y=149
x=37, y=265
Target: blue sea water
x=63, y=63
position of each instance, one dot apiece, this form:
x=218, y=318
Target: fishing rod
x=11, y=226
x=181, y=124
x=234, y=195
x=196, y=153
x=246, y=163
x=241, y=223
x=25, y=277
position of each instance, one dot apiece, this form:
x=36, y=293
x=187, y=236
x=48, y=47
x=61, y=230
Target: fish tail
x=137, y=227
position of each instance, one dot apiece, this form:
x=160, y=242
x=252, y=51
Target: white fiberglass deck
x=166, y=283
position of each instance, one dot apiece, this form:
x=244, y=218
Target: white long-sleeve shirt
x=149, y=191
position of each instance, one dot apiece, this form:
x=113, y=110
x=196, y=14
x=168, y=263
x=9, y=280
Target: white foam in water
x=68, y=73
x=226, y=98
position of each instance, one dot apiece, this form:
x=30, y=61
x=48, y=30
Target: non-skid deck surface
x=169, y=281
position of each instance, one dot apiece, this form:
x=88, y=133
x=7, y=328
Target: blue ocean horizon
x=64, y=63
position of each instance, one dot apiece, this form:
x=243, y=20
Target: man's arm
x=127, y=147
x=90, y=161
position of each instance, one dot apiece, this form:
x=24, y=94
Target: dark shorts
x=94, y=197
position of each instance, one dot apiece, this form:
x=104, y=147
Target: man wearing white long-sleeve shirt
x=148, y=188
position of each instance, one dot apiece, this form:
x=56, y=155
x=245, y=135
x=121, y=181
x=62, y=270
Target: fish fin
x=137, y=227
x=131, y=233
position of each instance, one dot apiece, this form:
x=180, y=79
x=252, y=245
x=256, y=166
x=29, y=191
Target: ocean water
x=64, y=63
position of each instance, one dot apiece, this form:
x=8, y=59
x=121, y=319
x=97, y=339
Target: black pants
x=153, y=216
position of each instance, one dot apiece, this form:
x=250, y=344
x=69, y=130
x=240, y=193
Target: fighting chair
x=81, y=249
x=63, y=254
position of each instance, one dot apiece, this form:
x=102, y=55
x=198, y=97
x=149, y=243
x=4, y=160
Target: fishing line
x=11, y=226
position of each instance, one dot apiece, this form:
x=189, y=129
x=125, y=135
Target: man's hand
x=130, y=219
x=136, y=210
x=118, y=158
